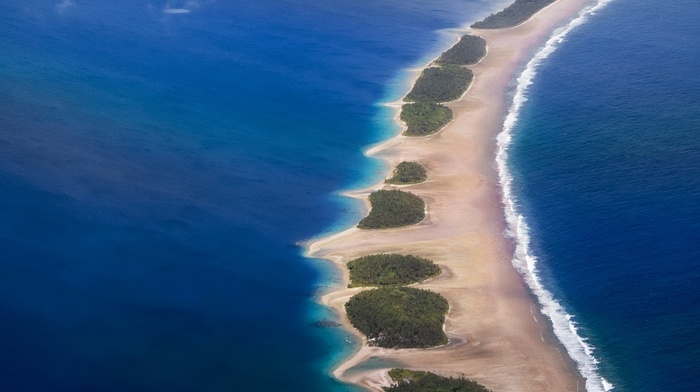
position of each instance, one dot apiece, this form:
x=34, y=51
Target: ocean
x=161, y=161
x=603, y=166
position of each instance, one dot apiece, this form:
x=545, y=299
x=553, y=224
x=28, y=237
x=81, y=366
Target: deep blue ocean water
x=159, y=163
x=606, y=165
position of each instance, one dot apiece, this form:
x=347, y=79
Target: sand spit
x=497, y=335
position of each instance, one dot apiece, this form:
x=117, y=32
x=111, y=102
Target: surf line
x=565, y=327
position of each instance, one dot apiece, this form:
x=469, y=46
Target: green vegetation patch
x=408, y=173
x=424, y=118
x=469, y=50
x=390, y=270
x=393, y=208
x=416, y=381
x=441, y=84
x=399, y=317
x=513, y=15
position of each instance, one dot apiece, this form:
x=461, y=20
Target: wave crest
x=565, y=327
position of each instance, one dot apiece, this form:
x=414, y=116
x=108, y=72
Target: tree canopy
x=513, y=15
x=469, y=50
x=393, y=208
x=417, y=381
x=390, y=270
x=440, y=84
x=399, y=317
x=424, y=118
x=408, y=173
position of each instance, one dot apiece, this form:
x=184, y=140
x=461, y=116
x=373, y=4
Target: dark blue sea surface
x=606, y=166
x=159, y=163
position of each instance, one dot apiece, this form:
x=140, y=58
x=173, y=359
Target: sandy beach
x=497, y=334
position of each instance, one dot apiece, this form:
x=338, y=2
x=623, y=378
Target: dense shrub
x=393, y=208
x=416, y=381
x=513, y=15
x=469, y=50
x=408, y=173
x=440, y=84
x=399, y=317
x=424, y=118
x=390, y=270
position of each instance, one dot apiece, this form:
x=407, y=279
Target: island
x=424, y=118
x=513, y=15
x=399, y=317
x=393, y=208
x=440, y=84
x=390, y=270
x=469, y=50
x=408, y=173
x=417, y=381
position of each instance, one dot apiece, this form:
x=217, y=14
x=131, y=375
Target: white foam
x=565, y=326
x=177, y=11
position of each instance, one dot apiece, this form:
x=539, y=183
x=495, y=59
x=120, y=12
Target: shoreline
x=498, y=335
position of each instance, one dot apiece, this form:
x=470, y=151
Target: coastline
x=498, y=336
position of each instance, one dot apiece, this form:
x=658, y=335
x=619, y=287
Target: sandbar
x=497, y=334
